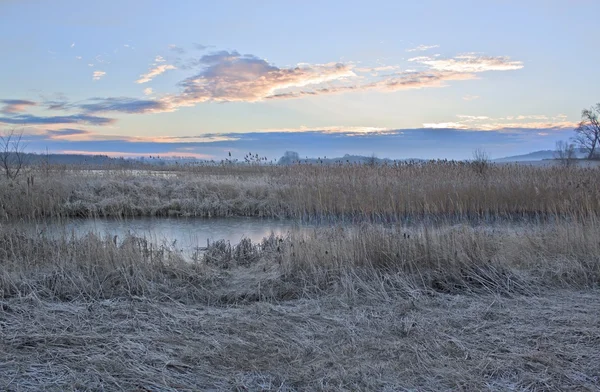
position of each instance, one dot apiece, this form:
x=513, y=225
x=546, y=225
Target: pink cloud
x=485, y=123
x=470, y=63
x=422, y=48
x=154, y=72
x=231, y=77
x=97, y=75
x=15, y=105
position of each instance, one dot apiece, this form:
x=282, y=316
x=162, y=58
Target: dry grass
x=547, y=343
x=437, y=190
x=345, y=262
x=455, y=308
x=434, y=305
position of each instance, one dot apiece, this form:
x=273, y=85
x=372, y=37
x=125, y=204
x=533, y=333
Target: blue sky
x=428, y=79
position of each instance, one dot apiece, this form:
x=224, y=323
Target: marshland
x=439, y=275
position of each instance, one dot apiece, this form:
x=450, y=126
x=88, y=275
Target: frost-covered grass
x=439, y=343
x=444, y=306
x=339, y=261
x=356, y=192
x=337, y=309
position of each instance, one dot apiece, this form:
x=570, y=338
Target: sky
x=398, y=79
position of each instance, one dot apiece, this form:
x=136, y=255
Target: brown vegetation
x=441, y=343
x=438, y=304
x=336, y=309
x=341, y=261
x=436, y=190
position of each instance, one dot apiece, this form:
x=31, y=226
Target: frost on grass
x=445, y=342
x=436, y=190
x=444, y=306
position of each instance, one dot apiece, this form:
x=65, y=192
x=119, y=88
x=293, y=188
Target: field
x=433, y=276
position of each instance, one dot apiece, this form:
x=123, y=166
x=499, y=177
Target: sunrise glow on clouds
x=386, y=91
x=484, y=123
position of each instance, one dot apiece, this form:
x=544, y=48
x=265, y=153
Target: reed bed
x=434, y=190
x=451, y=278
x=340, y=261
x=384, y=308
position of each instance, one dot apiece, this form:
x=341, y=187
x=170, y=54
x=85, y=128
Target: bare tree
x=565, y=153
x=587, y=134
x=481, y=161
x=12, y=153
x=289, y=158
x=372, y=160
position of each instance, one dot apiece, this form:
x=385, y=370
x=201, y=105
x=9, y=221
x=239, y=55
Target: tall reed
x=436, y=190
x=341, y=260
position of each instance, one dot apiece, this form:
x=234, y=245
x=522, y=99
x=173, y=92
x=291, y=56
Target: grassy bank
x=457, y=308
x=352, y=192
x=341, y=261
x=462, y=343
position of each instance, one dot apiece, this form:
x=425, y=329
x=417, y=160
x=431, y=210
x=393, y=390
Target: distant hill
x=72, y=159
x=103, y=160
x=291, y=157
x=536, y=156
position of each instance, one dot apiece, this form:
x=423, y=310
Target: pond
x=180, y=234
x=190, y=235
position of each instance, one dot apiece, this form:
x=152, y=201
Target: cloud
x=15, y=105
x=532, y=117
x=97, y=75
x=444, y=125
x=518, y=122
x=341, y=130
x=230, y=77
x=57, y=105
x=206, y=138
x=66, y=133
x=123, y=105
x=471, y=97
x=419, y=79
x=420, y=58
x=394, y=143
x=200, y=47
x=470, y=63
x=73, y=45
x=176, y=49
x=29, y=119
x=397, y=82
x=154, y=72
x=69, y=134
x=422, y=48
x=471, y=118
x=374, y=71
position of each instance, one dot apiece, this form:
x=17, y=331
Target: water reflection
x=182, y=234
